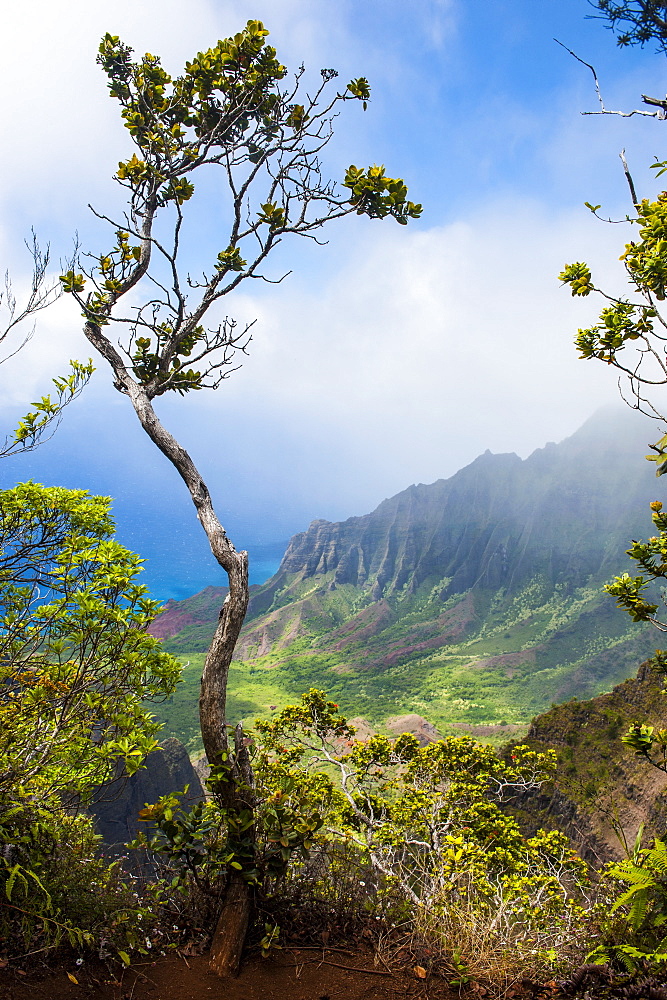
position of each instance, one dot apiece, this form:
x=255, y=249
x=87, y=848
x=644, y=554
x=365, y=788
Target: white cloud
x=428, y=347
x=395, y=355
x=440, y=18
x=419, y=351
x=66, y=135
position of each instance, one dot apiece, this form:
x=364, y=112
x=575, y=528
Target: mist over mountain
x=566, y=512
x=474, y=601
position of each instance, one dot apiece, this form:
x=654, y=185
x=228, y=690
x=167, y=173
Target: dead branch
x=661, y=105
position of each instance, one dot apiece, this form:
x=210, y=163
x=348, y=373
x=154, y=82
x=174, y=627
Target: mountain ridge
x=325, y=545
x=471, y=601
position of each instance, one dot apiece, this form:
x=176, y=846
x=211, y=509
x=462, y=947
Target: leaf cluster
x=635, y=22
x=48, y=409
x=632, y=333
x=651, y=556
x=644, y=902
x=233, y=110
x=37, y=425
x=203, y=844
x=378, y=196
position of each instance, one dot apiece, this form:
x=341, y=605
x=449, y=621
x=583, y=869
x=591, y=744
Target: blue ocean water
x=177, y=560
x=179, y=575
x=153, y=512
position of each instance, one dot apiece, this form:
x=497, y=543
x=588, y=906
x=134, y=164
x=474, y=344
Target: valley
x=474, y=602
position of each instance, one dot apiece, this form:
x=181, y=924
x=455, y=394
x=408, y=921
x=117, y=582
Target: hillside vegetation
x=475, y=601
x=603, y=793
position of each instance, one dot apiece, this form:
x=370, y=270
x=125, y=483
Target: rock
x=362, y=727
x=424, y=731
x=117, y=803
x=203, y=769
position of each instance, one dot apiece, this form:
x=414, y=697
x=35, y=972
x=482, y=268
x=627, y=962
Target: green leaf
x=72, y=282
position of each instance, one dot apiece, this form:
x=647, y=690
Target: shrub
x=76, y=670
x=414, y=838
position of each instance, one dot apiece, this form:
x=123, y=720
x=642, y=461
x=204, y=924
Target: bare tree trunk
x=234, y=784
x=232, y=926
x=231, y=929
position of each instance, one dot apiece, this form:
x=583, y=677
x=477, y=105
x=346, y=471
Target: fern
x=14, y=874
x=645, y=877
x=19, y=873
x=637, y=896
x=632, y=959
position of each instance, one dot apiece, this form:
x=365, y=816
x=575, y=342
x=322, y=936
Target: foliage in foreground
x=76, y=670
x=413, y=836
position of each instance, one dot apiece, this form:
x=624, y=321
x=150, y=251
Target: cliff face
x=557, y=522
x=564, y=512
x=117, y=804
x=603, y=791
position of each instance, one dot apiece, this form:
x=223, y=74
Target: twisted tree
x=235, y=112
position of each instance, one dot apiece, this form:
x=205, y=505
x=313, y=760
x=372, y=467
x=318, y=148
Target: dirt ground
x=293, y=974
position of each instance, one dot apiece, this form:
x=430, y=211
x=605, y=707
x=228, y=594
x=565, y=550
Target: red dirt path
x=295, y=974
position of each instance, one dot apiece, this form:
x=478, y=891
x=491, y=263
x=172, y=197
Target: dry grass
x=465, y=937
x=472, y=941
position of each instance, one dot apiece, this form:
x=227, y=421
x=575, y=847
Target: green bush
x=58, y=889
x=76, y=670
x=413, y=837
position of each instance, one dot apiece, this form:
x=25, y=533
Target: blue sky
x=389, y=356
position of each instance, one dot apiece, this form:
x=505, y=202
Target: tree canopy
x=76, y=662
x=635, y=22
x=77, y=674
x=230, y=111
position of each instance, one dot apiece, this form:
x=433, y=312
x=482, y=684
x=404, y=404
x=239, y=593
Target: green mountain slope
x=603, y=791
x=475, y=601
